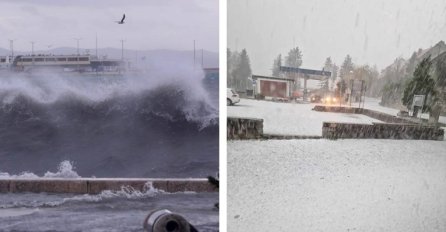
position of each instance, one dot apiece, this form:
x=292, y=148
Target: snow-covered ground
x=121, y=211
x=326, y=185
x=342, y=185
x=291, y=118
x=299, y=119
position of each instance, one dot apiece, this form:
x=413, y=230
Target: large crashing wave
x=158, y=125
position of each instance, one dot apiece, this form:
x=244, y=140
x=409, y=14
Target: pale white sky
x=372, y=32
x=149, y=24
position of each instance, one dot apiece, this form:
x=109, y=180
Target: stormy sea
x=151, y=125
x=156, y=125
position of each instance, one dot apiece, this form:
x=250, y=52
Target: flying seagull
x=122, y=20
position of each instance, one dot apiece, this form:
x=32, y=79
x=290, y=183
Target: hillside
x=391, y=83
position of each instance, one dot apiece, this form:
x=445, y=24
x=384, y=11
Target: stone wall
x=244, y=128
x=334, y=130
x=97, y=185
x=385, y=117
x=370, y=113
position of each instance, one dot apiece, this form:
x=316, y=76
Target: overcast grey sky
x=372, y=32
x=149, y=24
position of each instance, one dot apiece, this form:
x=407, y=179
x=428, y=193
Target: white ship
x=63, y=63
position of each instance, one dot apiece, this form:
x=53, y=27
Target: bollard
x=165, y=221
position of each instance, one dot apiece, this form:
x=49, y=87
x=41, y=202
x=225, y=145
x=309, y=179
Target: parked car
x=232, y=97
x=315, y=99
x=329, y=100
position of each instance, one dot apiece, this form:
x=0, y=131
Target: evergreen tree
x=334, y=75
x=276, y=66
x=242, y=72
x=411, y=65
x=334, y=72
x=341, y=87
x=346, y=67
x=229, y=69
x=328, y=66
x=294, y=58
x=422, y=83
x=440, y=71
x=438, y=100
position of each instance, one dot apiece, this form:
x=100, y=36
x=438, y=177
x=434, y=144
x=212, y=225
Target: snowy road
x=291, y=118
x=343, y=185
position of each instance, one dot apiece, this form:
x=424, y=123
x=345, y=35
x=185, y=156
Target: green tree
x=341, y=87
x=229, y=78
x=334, y=75
x=334, y=72
x=294, y=58
x=411, y=65
x=242, y=72
x=276, y=66
x=232, y=62
x=346, y=67
x=422, y=83
x=328, y=66
x=367, y=74
x=440, y=71
x=438, y=99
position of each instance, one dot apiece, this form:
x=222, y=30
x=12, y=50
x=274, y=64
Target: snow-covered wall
x=334, y=130
x=244, y=128
x=370, y=113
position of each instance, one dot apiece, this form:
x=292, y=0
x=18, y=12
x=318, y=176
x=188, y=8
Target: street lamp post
x=77, y=43
x=32, y=48
x=32, y=52
x=11, y=44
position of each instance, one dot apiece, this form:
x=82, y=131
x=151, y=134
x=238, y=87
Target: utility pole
x=351, y=92
x=122, y=54
x=194, y=54
x=11, y=45
x=97, y=46
x=77, y=40
x=202, y=58
x=122, y=49
x=360, y=94
x=32, y=48
x=32, y=52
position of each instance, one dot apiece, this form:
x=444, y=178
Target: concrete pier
x=97, y=185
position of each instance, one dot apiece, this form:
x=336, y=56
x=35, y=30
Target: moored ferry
x=62, y=63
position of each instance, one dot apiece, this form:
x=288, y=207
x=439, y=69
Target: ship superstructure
x=65, y=63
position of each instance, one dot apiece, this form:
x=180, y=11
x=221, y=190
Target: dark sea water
x=121, y=211
x=152, y=125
